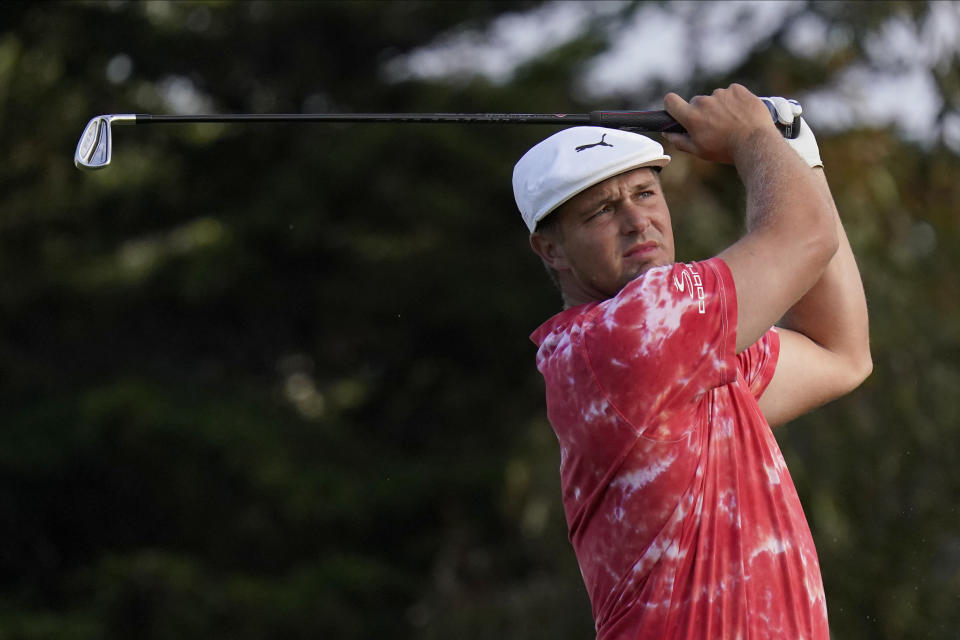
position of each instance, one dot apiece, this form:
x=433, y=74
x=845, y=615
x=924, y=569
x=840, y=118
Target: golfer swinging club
x=663, y=378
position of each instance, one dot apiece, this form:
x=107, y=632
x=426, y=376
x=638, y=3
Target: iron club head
x=95, y=148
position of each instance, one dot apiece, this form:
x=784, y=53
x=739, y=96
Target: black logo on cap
x=595, y=144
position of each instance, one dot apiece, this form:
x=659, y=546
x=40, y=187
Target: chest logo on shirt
x=689, y=277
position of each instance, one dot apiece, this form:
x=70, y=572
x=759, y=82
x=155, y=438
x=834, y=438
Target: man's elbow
x=858, y=370
x=821, y=243
x=845, y=378
x=824, y=211
x=828, y=243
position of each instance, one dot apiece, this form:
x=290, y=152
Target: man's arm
x=792, y=232
x=825, y=342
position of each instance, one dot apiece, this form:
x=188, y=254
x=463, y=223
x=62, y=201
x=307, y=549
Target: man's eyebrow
x=583, y=208
x=591, y=201
x=645, y=184
x=594, y=200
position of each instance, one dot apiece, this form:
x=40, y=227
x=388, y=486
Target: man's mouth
x=642, y=250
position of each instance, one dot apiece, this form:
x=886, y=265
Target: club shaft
x=644, y=120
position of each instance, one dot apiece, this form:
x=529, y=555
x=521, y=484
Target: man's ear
x=550, y=250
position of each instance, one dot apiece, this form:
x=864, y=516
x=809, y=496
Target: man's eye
x=602, y=210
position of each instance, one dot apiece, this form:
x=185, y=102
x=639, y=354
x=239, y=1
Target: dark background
x=274, y=381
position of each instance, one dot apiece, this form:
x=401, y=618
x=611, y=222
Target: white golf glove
x=804, y=144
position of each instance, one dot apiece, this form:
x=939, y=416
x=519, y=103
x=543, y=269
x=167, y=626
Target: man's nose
x=633, y=219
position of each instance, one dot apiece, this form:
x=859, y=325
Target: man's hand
x=720, y=125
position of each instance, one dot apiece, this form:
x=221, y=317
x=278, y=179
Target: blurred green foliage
x=275, y=381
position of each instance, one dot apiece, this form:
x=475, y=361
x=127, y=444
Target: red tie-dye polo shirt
x=680, y=508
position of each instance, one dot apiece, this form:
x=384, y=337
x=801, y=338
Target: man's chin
x=630, y=278
x=639, y=270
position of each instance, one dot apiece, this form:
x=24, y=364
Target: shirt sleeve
x=758, y=362
x=667, y=338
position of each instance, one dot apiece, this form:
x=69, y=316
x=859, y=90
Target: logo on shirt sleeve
x=689, y=277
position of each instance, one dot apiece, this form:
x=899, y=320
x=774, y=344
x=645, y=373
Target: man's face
x=608, y=235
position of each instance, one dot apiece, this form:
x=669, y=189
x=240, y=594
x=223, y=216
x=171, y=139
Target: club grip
x=654, y=121
x=663, y=122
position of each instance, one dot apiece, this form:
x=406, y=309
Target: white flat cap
x=572, y=160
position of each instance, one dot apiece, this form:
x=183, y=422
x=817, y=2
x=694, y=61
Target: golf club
x=95, y=149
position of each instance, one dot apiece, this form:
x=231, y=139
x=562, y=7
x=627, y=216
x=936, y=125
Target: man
x=662, y=378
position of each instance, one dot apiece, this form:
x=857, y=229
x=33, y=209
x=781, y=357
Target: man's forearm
x=791, y=237
x=833, y=313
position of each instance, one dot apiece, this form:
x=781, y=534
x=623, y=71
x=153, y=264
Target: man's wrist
x=750, y=149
